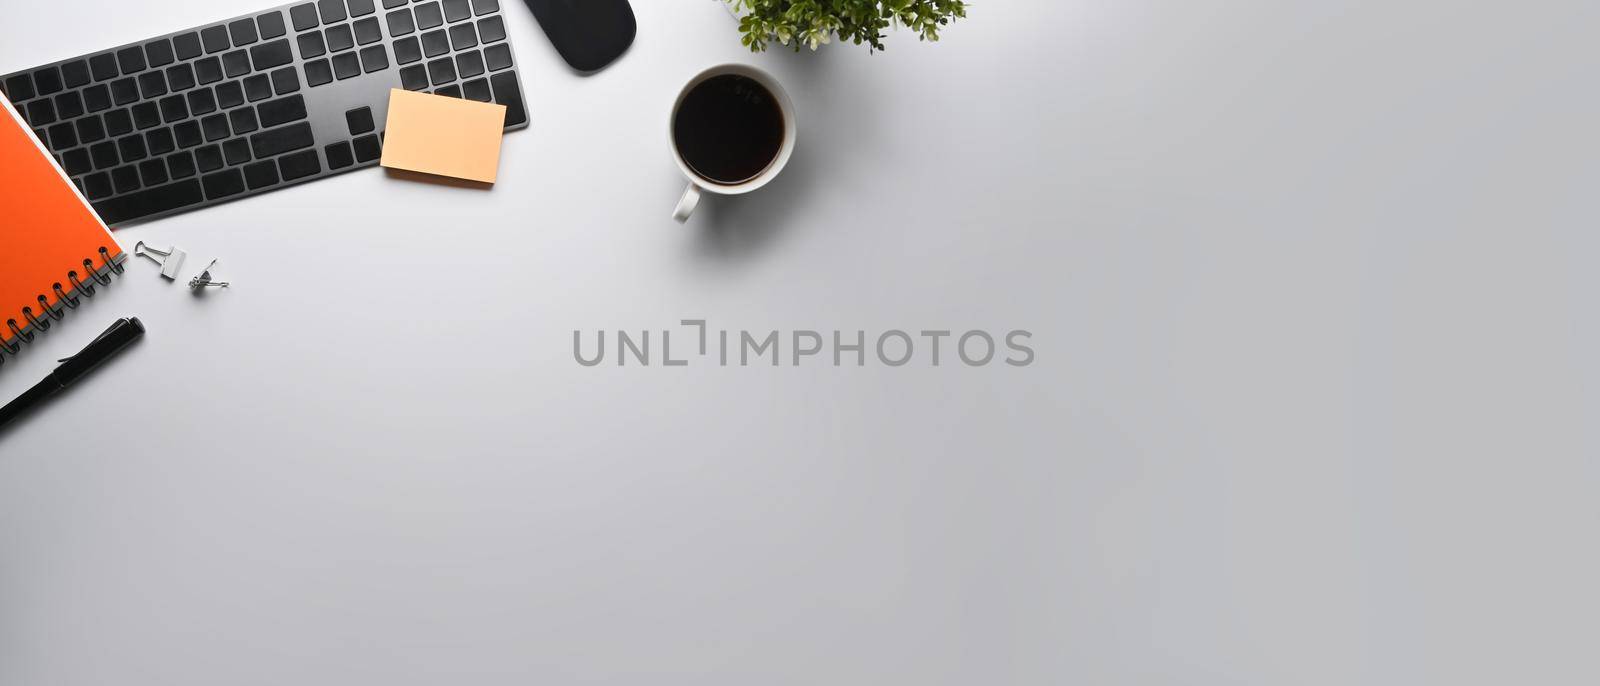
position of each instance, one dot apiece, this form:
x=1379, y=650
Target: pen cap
x=121, y=333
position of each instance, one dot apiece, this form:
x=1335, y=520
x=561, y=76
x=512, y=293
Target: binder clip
x=171, y=259
x=204, y=281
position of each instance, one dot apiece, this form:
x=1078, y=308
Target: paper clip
x=204, y=280
x=171, y=259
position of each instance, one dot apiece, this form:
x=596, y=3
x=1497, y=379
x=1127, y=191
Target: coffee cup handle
x=687, y=203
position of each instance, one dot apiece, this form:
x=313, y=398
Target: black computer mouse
x=589, y=34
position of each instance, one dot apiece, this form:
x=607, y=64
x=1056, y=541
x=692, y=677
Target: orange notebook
x=53, y=249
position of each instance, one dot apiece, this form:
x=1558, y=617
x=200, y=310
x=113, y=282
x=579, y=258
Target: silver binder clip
x=171, y=259
x=204, y=281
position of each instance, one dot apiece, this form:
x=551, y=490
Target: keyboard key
x=230, y=94
x=125, y=90
x=174, y=108
x=339, y=155
x=435, y=43
x=90, y=130
x=236, y=152
x=188, y=134
x=391, y=4
x=261, y=174
x=367, y=31
x=186, y=46
x=223, y=183
x=41, y=112
x=69, y=105
x=482, y=7
x=463, y=36
x=374, y=59
x=97, y=186
x=208, y=70
x=19, y=88
x=154, y=172
x=359, y=120
x=407, y=50
x=131, y=147
x=103, y=66
x=125, y=179
x=414, y=78
x=477, y=89
x=318, y=73
x=258, y=87
x=285, y=81
x=159, y=53
x=271, y=55
x=497, y=57
x=450, y=91
x=298, y=165
x=331, y=10
x=428, y=15
x=208, y=158
x=149, y=201
x=275, y=112
x=130, y=59
x=368, y=148
x=180, y=165
x=243, y=31
x=202, y=102
x=491, y=30
x=442, y=71
x=97, y=98
x=282, y=140
x=77, y=162
x=400, y=23
x=146, y=115
x=180, y=77
x=346, y=65
x=160, y=142
x=215, y=39
x=270, y=25
x=153, y=84
x=339, y=37
x=61, y=136
x=104, y=154
x=456, y=10
x=311, y=45
x=75, y=74
x=469, y=64
x=215, y=127
x=118, y=122
x=243, y=120
x=303, y=16
x=236, y=63
x=47, y=80
x=359, y=8
x=506, y=92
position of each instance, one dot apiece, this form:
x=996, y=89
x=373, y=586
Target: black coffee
x=729, y=129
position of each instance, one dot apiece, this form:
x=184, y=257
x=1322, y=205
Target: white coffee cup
x=699, y=184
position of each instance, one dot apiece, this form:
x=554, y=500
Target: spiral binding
x=38, y=321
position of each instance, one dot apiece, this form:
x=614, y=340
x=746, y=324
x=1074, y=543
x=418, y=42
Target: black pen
x=121, y=333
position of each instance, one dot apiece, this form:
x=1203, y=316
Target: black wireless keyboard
x=259, y=102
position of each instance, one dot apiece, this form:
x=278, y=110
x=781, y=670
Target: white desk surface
x=1312, y=294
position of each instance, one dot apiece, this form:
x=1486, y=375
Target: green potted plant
x=812, y=23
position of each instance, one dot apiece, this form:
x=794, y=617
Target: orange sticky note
x=434, y=134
